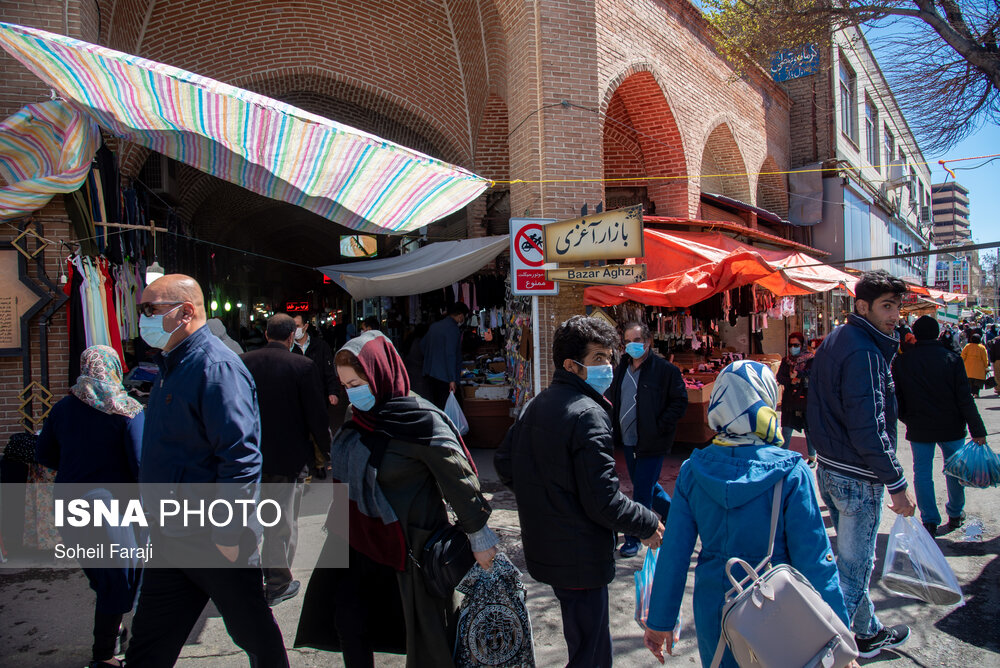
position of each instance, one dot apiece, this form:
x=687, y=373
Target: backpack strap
x=775, y=508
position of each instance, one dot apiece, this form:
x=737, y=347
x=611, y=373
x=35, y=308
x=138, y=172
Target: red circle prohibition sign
x=522, y=240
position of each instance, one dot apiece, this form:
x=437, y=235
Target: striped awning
x=271, y=148
x=45, y=149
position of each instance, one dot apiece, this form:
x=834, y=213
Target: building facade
x=951, y=213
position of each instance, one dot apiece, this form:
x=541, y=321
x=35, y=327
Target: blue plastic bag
x=454, y=412
x=644, y=590
x=974, y=465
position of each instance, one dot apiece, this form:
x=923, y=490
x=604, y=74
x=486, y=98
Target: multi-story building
x=861, y=181
x=951, y=213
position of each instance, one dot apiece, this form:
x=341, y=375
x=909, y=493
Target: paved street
x=46, y=615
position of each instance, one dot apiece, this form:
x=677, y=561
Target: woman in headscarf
x=398, y=454
x=92, y=438
x=723, y=495
x=793, y=375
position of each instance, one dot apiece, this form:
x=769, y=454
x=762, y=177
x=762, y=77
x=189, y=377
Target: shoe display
x=289, y=592
x=931, y=528
x=887, y=638
x=629, y=549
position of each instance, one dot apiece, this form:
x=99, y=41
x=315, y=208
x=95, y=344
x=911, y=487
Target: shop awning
x=271, y=148
x=688, y=267
x=429, y=268
x=45, y=149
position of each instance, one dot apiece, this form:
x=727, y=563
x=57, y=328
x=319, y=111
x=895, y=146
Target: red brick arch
x=641, y=139
x=723, y=170
x=772, y=188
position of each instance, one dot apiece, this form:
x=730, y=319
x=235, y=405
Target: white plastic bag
x=455, y=414
x=915, y=567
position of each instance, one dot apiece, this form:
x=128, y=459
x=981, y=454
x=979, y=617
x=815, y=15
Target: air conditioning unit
x=159, y=174
x=897, y=176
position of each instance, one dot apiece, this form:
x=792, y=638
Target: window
x=890, y=146
x=848, y=101
x=871, y=132
x=913, y=186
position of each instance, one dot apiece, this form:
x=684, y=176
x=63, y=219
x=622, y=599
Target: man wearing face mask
x=558, y=458
x=442, y=348
x=648, y=397
x=202, y=426
x=316, y=349
x=851, y=412
x=292, y=409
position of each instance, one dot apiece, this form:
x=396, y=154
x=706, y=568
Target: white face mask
x=300, y=332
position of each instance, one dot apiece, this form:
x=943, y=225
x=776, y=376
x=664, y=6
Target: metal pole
x=536, y=356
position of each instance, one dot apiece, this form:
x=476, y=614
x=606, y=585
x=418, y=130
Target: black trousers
x=438, y=391
x=586, y=626
x=172, y=599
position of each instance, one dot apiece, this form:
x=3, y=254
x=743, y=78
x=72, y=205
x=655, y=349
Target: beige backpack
x=773, y=617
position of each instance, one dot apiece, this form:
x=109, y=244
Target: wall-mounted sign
x=17, y=300
x=601, y=236
x=358, y=245
x=296, y=307
x=527, y=258
x=610, y=274
x=794, y=63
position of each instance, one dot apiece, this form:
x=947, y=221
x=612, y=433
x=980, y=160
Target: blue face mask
x=151, y=329
x=599, y=377
x=795, y=350
x=635, y=350
x=361, y=397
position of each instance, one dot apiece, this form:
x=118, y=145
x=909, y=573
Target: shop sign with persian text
x=609, y=274
x=601, y=236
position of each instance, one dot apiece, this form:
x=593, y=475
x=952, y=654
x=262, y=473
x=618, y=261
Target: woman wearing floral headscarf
x=723, y=495
x=402, y=459
x=92, y=438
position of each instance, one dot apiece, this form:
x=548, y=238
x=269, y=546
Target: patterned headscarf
x=742, y=406
x=100, y=383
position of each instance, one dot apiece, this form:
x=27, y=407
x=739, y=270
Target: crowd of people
x=264, y=416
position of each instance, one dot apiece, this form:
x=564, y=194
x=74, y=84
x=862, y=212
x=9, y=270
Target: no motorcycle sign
x=527, y=258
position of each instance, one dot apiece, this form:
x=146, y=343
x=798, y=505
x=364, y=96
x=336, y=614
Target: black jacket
x=993, y=348
x=558, y=459
x=660, y=402
x=319, y=352
x=292, y=408
x=935, y=402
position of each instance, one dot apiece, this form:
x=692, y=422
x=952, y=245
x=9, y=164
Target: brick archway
x=723, y=170
x=641, y=139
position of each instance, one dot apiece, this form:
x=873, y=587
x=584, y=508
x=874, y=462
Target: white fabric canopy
x=429, y=268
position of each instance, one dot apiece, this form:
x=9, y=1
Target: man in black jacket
x=647, y=397
x=935, y=404
x=316, y=349
x=559, y=460
x=292, y=409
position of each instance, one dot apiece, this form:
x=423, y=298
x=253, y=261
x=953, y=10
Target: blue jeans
x=646, y=489
x=923, y=480
x=786, y=435
x=856, y=510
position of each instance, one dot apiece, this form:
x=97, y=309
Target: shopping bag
x=455, y=414
x=644, y=586
x=915, y=567
x=493, y=625
x=974, y=465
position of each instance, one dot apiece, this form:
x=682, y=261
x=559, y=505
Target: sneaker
x=887, y=638
x=289, y=592
x=931, y=528
x=629, y=549
x=955, y=522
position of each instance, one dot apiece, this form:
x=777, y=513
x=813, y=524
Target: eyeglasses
x=148, y=308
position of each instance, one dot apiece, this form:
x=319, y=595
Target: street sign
x=527, y=258
x=610, y=274
x=601, y=236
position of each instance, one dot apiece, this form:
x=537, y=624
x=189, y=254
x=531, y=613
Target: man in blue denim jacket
x=203, y=427
x=851, y=412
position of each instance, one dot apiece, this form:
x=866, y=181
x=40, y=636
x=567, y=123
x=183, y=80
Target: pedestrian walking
x=793, y=375
x=977, y=362
x=92, y=438
x=993, y=348
x=647, y=397
x=851, y=412
x=936, y=405
x=558, y=458
x=292, y=419
x=202, y=426
x=723, y=496
x=402, y=460
x=318, y=350
x=442, y=348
